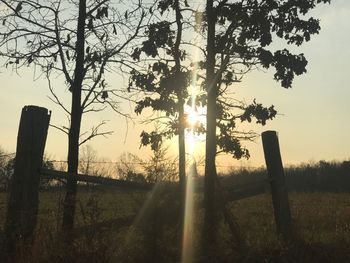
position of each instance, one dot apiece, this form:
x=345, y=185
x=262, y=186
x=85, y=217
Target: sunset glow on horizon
x=312, y=115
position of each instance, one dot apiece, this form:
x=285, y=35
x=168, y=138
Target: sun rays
x=196, y=116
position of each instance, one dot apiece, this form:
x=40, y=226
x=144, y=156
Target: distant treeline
x=321, y=176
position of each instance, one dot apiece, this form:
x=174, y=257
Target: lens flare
x=192, y=117
x=195, y=116
x=188, y=231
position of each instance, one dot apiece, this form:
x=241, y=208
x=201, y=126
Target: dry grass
x=321, y=219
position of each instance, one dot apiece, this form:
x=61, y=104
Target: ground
x=321, y=221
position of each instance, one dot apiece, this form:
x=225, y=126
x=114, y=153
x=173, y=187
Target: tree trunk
x=73, y=161
x=74, y=131
x=181, y=102
x=181, y=109
x=210, y=214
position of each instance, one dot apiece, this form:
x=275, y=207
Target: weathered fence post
x=24, y=185
x=278, y=185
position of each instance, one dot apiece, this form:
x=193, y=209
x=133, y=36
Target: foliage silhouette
x=238, y=35
x=166, y=80
x=79, y=40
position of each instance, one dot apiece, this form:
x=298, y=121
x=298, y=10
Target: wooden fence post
x=278, y=185
x=24, y=185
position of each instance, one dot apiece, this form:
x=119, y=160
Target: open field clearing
x=321, y=220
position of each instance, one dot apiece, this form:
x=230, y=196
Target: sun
x=195, y=116
x=192, y=117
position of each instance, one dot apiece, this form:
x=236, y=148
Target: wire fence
x=233, y=167
x=220, y=166
x=226, y=167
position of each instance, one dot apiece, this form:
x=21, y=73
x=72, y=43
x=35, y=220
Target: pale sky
x=313, y=125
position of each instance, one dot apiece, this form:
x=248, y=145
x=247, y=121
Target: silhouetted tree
x=238, y=35
x=87, y=159
x=77, y=40
x=166, y=80
x=7, y=165
x=91, y=164
x=160, y=167
x=5, y=172
x=129, y=168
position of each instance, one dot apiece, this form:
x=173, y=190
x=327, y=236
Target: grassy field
x=321, y=220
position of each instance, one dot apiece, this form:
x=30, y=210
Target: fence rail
x=246, y=191
x=53, y=174
x=233, y=193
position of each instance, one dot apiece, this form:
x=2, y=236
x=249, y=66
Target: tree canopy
x=81, y=41
x=238, y=36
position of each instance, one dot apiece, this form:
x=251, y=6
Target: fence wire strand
x=138, y=163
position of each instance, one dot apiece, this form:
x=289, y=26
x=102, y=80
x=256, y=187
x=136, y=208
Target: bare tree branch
x=95, y=132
